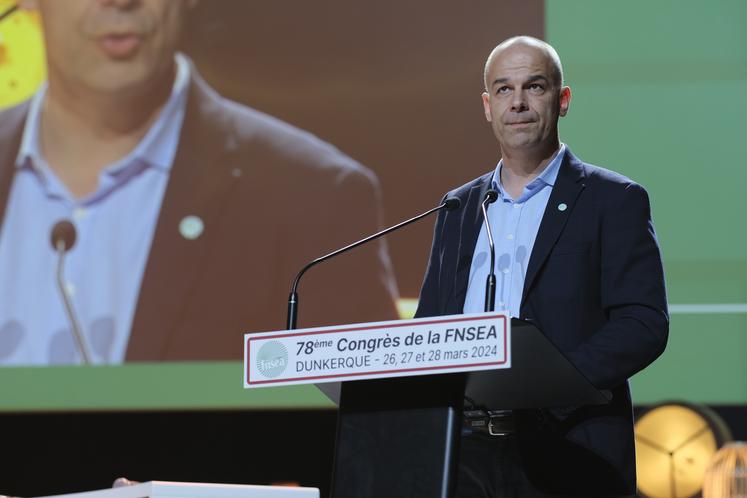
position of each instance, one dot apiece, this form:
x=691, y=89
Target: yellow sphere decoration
x=674, y=444
x=22, y=57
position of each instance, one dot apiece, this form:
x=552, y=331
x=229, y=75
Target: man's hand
x=121, y=482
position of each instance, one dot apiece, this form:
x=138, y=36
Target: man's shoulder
x=600, y=176
x=463, y=191
x=608, y=177
x=250, y=132
x=11, y=130
x=607, y=186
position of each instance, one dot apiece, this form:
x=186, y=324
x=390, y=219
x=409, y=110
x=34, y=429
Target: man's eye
x=503, y=89
x=536, y=87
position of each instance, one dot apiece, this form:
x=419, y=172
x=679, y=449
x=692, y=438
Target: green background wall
x=660, y=95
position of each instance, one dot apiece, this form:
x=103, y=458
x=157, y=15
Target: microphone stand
x=449, y=204
x=77, y=333
x=490, y=197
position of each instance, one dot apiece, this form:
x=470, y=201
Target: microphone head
x=63, y=232
x=490, y=196
x=452, y=203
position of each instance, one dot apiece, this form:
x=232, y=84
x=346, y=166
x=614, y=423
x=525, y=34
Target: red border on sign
x=374, y=327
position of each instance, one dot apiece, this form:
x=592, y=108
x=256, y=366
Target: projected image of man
x=192, y=212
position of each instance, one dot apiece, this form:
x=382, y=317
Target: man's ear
x=486, y=106
x=565, y=100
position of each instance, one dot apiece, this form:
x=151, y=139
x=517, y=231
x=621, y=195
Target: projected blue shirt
x=515, y=223
x=103, y=271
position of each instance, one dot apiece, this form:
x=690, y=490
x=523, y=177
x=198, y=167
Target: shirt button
x=510, y=236
x=70, y=289
x=79, y=213
x=517, y=206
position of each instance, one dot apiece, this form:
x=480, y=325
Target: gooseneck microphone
x=490, y=197
x=63, y=239
x=449, y=204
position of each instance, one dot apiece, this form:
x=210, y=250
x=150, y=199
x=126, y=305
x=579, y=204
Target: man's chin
x=122, y=79
x=521, y=144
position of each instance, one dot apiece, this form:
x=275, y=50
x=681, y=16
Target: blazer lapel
x=468, y=232
x=566, y=190
x=198, y=182
x=11, y=131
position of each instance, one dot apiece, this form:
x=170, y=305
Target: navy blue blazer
x=595, y=287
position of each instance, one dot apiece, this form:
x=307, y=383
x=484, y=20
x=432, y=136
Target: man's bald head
x=550, y=53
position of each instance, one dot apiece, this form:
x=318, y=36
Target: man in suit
x=578, y=258
x=192, y=213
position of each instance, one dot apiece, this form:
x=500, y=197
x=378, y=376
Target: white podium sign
x=400, y=348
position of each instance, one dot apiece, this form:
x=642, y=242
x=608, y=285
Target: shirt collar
x=156, y=149
x=547, y=178
x=167, y=127
x=30, y=149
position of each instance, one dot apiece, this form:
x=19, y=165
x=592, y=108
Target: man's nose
x=519, y=101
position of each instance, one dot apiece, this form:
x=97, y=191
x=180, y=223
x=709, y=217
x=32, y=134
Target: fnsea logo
x=272, y=359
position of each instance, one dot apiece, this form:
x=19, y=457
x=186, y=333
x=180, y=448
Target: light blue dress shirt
x=515, y=223
x=104, y=270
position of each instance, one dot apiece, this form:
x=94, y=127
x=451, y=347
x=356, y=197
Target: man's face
x=522, y=101
x=111, y=46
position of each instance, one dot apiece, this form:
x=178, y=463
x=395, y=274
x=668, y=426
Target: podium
x=399, y=438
